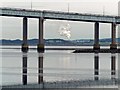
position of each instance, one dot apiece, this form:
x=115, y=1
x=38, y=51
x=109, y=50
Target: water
x=58, y=65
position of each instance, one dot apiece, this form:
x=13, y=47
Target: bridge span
x=58, y=15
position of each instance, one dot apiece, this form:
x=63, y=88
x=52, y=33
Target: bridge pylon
x=96, y=37
x=40, y=46
x=25, y=44
x=113, y=44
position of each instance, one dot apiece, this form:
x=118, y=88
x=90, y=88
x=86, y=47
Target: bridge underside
x=71, y=16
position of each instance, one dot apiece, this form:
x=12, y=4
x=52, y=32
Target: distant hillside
x=48, y=42
x=58, y=42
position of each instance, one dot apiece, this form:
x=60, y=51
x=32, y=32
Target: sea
x=58, y=66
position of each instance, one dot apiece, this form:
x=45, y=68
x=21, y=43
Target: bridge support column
x=24, y=78
x=40, y=68
x=25, y=45
x=113, y=44
x=96, y=66
x=40, y=47
x=96, y=37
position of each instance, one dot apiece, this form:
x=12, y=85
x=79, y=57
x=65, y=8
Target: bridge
x=58, y=15
x=42, y=15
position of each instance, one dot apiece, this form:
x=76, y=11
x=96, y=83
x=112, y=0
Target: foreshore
x=71, y=85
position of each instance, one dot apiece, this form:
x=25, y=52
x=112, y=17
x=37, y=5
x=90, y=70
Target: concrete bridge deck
x=59, y=15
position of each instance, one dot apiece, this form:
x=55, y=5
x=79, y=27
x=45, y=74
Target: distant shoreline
x=59, y=42
x=50, y=45
x=52, y=48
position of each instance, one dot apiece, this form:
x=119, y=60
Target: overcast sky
x=12, y=26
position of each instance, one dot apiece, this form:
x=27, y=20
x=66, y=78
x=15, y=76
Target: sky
x=11, y=27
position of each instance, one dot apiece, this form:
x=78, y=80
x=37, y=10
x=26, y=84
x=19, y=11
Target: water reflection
x=65, y=62
x=40, y=68
x=96, y=66
x=24, y=76
x=24, y=68
x=113, y=66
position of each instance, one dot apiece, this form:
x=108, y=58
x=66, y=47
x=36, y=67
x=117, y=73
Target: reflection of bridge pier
x=24, y=76
x=113, y=66
x=40, y=68
x=96, y=66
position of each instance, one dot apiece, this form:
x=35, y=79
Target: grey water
x=58, y=65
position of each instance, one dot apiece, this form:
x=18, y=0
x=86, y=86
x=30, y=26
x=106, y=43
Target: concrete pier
x=24, y=76
x=40, y=68
x=113, y=37
x=96, y=36
x=25, y=45
x=96, y=66
x=40, y=47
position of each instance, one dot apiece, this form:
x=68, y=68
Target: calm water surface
x=58, y=65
